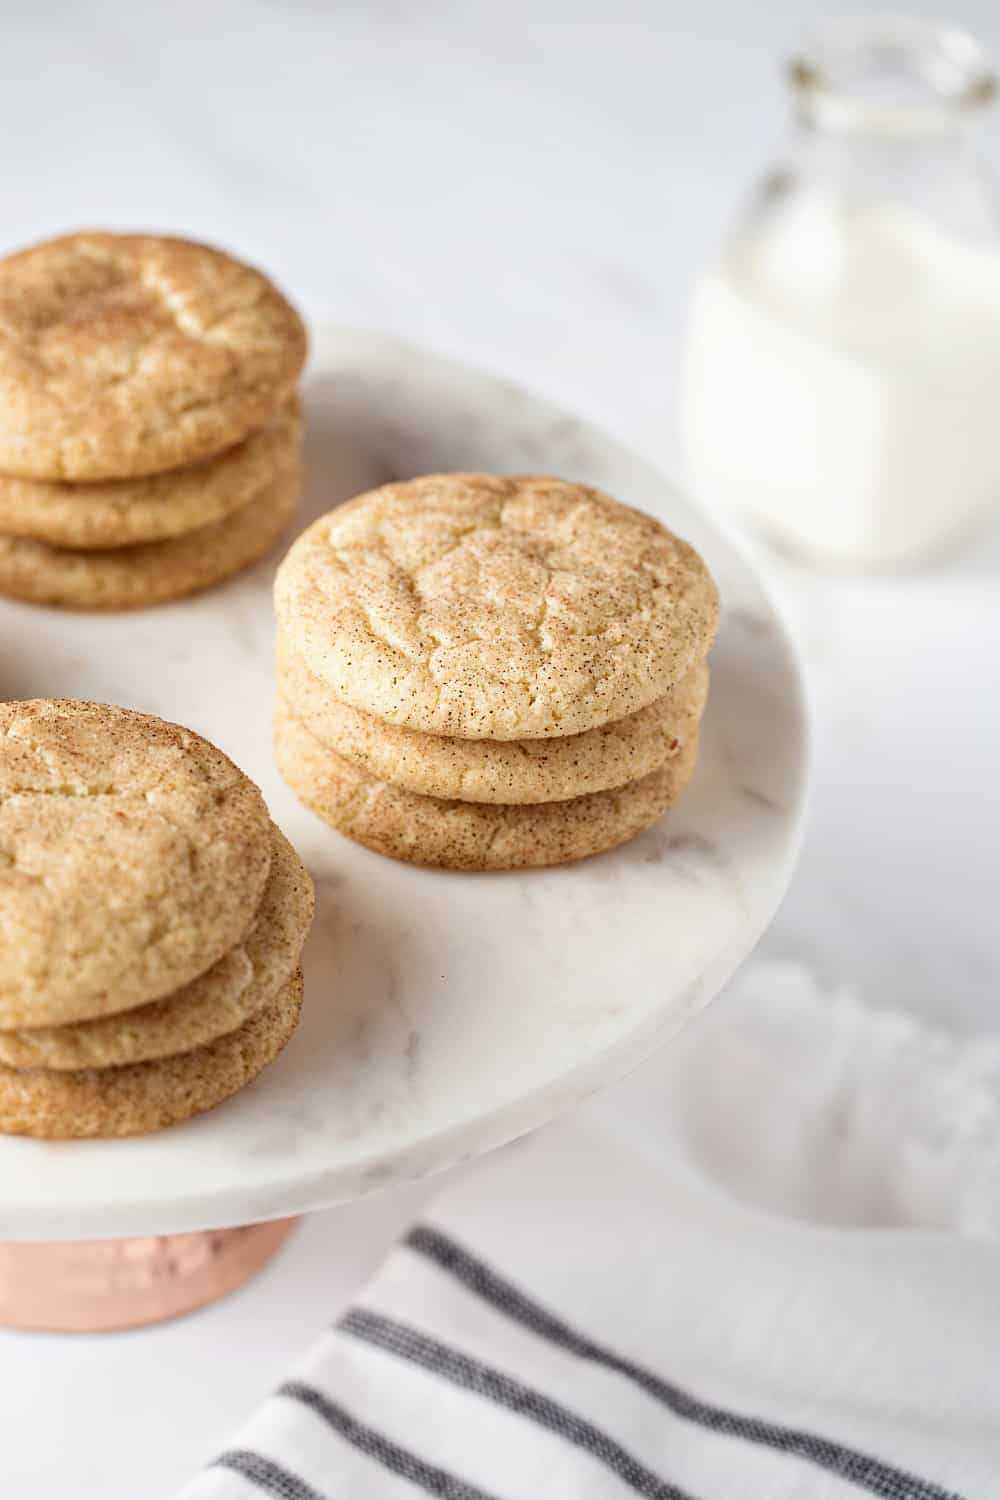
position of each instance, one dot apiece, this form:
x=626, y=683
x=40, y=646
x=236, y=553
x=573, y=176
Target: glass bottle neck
x=892, y=78
x=886, y=110
x=880, y=157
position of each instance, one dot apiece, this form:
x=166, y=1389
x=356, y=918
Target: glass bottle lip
x=892, y=73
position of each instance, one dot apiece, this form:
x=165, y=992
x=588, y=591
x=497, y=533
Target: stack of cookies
x=153, y=919
x=149, y=434
x=486, y=673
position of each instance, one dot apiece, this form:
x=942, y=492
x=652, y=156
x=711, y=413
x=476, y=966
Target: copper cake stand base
x=95, y=1286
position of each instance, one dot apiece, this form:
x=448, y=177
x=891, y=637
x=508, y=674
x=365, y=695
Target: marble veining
x=445, y=1013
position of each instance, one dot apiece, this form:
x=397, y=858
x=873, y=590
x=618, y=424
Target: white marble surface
x=445, y=1013
x=532, y=189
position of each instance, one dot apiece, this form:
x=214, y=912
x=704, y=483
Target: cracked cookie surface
x=133, y=855
x=495, y=608
x=126, y=354
x=502, y=771
x=470, y=835
x=123, y=512
x=214, y=1004
x=147, y=1096
x=152, y=572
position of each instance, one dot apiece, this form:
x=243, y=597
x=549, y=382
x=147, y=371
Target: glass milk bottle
x=841, y=381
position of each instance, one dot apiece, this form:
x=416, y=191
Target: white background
x=531, y=188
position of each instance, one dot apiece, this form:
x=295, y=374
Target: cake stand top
x=445, y=1013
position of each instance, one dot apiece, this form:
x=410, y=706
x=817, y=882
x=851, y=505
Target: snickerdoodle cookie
x=238, y=985
x=125, y=354
x=495, y=608
x=147, y=1096
x=133, y=855
x=151, y=572
x=502, y=771
x=122, y=512
x=470, y=835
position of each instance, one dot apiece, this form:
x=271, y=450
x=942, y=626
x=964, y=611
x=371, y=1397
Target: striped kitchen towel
x=579, y=1319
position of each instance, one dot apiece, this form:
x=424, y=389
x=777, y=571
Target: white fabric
x=883, y=1342
x=858, y=1116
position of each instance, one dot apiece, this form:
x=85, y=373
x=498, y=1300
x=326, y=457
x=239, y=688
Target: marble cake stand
x=445, y=1013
